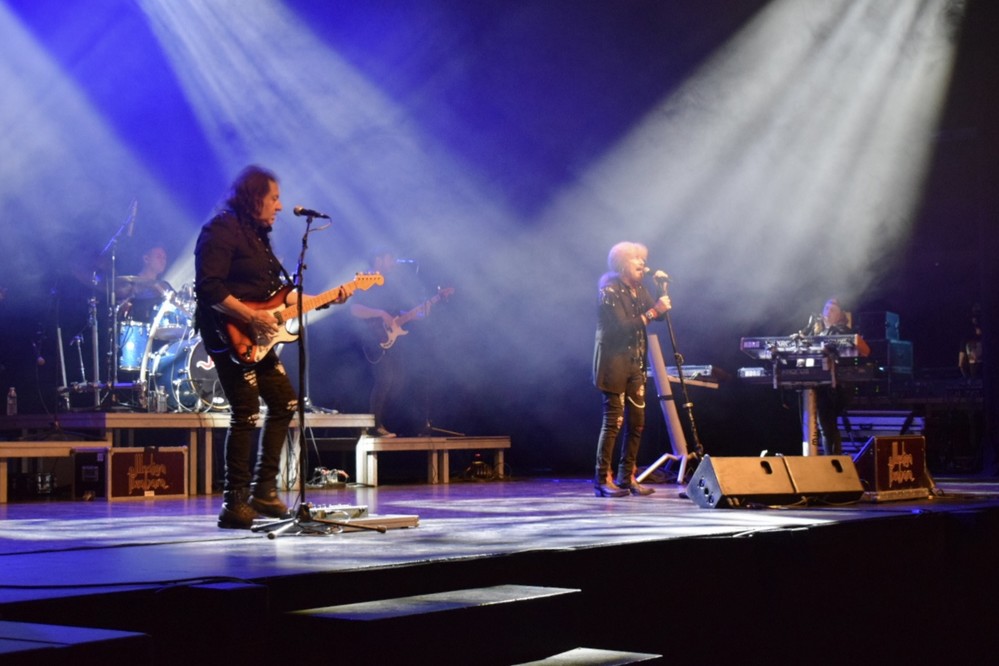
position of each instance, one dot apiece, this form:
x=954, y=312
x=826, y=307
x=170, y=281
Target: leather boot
x=236, y=514
x=604, y=487
x=629, y=485
x=266, y=502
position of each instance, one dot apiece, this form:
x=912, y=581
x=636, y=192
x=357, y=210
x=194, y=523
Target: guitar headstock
x=365, y=281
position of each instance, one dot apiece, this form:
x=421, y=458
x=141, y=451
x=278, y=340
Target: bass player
x=383, y=313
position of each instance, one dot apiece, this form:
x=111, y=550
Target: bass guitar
x=248, y=350
x=391, y=333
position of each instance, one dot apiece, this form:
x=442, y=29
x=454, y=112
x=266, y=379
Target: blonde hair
x=621, y=252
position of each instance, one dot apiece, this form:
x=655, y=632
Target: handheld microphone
x=305, y=212
x=660, y=276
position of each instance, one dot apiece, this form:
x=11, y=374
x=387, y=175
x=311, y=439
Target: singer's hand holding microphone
x=662, y=279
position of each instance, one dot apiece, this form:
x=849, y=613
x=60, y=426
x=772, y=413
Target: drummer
x=140, y=295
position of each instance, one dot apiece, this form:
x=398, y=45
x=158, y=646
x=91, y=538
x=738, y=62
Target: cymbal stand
x=95, y=337
x=63, y=390
x=112, y=246
x=62, y=393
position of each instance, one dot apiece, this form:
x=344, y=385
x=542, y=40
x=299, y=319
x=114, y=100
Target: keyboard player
x=830, y=401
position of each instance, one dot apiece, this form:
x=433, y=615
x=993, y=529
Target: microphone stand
x=688, y=405
x=303, y=522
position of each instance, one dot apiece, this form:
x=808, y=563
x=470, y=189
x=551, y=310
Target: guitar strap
x=253, y=235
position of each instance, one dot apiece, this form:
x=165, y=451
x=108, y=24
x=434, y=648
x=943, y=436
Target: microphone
x=660, y=276
x=132, y=210
x=305, y=212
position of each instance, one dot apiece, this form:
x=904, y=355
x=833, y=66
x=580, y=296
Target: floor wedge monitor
x=825, y=479
x=779, y=480
x=737, y=482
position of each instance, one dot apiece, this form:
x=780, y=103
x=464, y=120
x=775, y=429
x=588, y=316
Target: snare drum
x=132, y=339
x=185, y=371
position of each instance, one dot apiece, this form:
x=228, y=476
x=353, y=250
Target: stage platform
x=862, y=582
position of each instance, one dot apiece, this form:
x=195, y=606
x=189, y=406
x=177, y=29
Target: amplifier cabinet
x=120, y=473
x=893, y=356
x=879, y=325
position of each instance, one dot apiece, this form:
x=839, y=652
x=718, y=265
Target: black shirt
x=232, y=256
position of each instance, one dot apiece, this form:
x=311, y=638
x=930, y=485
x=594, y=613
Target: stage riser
x=830, y=593
x=503, y=624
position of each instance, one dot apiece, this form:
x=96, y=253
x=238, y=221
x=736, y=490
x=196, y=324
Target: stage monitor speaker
x=893, y=467
x=825, y=479
x=736, y=482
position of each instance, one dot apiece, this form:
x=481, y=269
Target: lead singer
x=624, y=308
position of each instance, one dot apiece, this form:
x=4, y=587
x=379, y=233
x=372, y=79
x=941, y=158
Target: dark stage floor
x=702, y=572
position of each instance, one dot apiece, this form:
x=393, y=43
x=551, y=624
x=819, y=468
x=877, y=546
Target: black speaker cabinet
x=825, y=479
x=781, y=480
x=737, y=482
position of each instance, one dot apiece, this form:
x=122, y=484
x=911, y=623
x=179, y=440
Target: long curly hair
x=248, y=191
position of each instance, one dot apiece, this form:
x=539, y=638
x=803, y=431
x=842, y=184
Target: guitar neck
x=310, y=303
x=415, y=312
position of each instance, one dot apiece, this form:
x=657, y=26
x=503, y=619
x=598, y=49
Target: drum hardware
x=186, y=374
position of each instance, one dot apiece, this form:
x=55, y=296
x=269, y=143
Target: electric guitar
x=247, y=349
x=396, y=329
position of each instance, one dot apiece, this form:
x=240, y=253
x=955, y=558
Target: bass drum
x=187, y=375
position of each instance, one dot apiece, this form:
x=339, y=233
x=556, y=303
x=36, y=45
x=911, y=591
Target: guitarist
x=378, y=309
x=235, y=264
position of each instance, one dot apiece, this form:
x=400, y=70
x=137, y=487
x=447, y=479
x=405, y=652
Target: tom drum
x=132, y=339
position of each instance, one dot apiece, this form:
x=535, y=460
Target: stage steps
x=43, y=644
x=502, y=624
x=592, y=657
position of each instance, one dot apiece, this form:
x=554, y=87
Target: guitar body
x=246, y=349
x=392, y=333
x=249, y=350
x=396, y=329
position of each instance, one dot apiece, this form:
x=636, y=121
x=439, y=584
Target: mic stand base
x=305, y=524
x=429, y=429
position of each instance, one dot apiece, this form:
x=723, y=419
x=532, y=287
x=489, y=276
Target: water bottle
x=11, y=402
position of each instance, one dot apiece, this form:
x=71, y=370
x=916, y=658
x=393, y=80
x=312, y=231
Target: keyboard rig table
x=805, y=363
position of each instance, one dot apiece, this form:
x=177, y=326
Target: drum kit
x=159, y=347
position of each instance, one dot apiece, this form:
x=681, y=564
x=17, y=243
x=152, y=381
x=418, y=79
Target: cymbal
x=135, y=280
